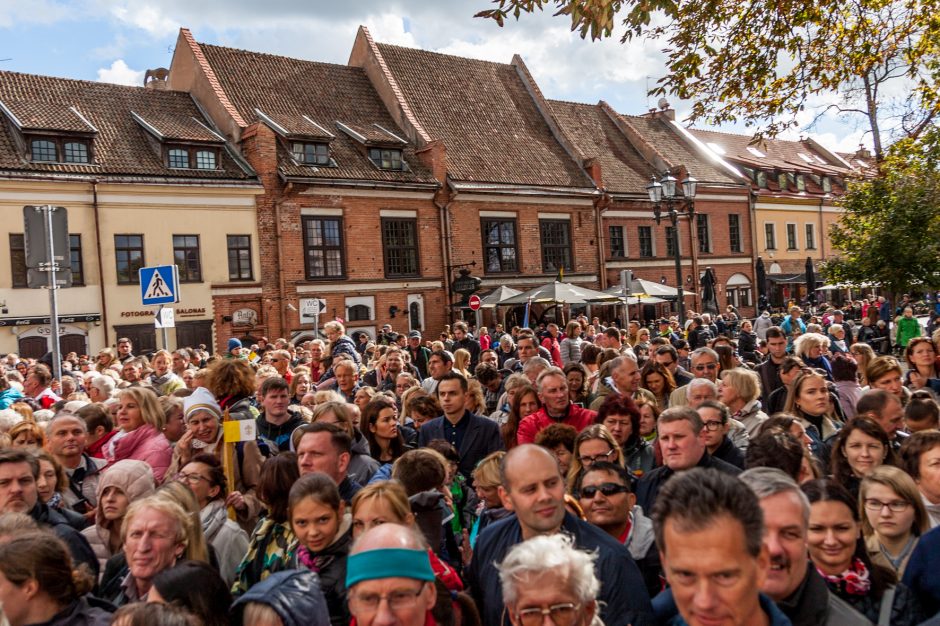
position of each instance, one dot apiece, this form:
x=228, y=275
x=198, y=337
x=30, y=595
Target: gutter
x=104, y=308
x=446, y=238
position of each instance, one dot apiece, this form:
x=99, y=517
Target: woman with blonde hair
x=739, y=390
x=106, y=358
x=808, y=400
x=140, y=437
x=486, y=484
x=594, y=443
x=812, y=348
x=163, y=380
x=864, y=355
x=27, y=434
x=885, y=373
x=893, y=517
x=462, y=363
x=475, y=401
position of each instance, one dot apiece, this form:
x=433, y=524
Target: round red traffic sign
x=475, y=303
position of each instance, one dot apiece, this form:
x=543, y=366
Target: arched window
x=359, y=313
x=738, y=290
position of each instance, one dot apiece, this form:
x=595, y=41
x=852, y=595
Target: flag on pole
x=525, y=318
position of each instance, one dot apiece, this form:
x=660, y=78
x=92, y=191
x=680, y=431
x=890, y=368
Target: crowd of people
x=750, y=472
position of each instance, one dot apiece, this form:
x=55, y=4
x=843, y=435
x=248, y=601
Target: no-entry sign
x=475, y=303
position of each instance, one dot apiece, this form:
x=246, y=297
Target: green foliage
x=890, y=231
x=761, y=60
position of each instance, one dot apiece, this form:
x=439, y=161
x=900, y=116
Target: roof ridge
x=721, y=132
x=280, y=56
x=84, y=81
x=203, y=62
x=442, y=54
x=395, y=87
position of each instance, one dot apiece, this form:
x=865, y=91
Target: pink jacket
x=146, y=444
x=531, y=425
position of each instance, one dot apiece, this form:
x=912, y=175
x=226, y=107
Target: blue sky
x=117, y=40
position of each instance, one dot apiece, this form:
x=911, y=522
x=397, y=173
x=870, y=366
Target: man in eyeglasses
x=534, y=489
x=389, y=578
x=681, y=435
x=716, y=418
x=704, y=365
x=549, y=577
x=606, y=497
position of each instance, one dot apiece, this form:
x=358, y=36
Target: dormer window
x=310, y=153
x=178, y=157
x=56, y=150
x=76, y=152
x=782, y=180
x=761, y=179
x=386, y=158
x=184, y=157
x=826, y=184
x=800, y=182
x=43, y=150
x=205, y=159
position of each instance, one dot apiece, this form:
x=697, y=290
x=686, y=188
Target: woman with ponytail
x=38, y=584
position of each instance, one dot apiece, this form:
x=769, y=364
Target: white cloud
x=20, y=12
x=121, y=74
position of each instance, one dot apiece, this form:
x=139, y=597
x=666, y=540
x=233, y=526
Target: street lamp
x=667, y=197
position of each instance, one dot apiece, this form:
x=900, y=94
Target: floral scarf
x=854, y=581
x=313, y=562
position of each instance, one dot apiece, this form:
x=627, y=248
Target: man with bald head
x=389, y=579
x=534, y=489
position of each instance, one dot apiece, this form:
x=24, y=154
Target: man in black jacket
x=473, y=436
x=462, y=339
x=18, y=494
x=533, y=488
x=681, y=436
x=769, y=370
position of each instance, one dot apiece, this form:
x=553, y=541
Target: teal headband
x=388, y=563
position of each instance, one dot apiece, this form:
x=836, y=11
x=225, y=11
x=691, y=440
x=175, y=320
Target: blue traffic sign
x=159, y=285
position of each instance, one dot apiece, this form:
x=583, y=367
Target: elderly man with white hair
x=548, y=576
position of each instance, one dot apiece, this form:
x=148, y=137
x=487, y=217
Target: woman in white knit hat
x=203, y=418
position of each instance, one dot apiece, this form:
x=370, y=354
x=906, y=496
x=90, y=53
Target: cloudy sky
x=117, y=40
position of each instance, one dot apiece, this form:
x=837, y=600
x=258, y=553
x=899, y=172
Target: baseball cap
x=415, y=334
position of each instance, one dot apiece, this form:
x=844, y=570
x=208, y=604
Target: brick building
x=517, y=205
x=623, y=153
x=146, y=180
x=348, y=214
x=795, y=185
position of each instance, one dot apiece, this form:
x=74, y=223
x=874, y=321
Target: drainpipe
x=444, y=209
x=104, y=308
x=601, y=203
x=280, y=302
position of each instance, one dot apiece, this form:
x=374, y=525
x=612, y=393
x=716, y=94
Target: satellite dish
x=663, y=104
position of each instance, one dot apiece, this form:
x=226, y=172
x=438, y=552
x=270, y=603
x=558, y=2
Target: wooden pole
x=228, y=463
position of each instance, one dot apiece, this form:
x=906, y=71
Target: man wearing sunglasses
x=605, y=494
x=705, y=365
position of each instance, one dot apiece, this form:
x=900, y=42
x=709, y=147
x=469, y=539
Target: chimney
x=156, y=78
x=863, y=153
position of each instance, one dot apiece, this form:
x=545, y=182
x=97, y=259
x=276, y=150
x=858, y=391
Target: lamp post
x=668, y=198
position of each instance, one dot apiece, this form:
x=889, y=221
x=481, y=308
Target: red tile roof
x=481, y=110
x=590, y=128
x=790, y=156
x=121, y=146
x=677, y=150
x=286, y=89
x=31, y=115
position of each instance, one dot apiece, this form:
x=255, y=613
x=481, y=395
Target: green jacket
x=908, y=328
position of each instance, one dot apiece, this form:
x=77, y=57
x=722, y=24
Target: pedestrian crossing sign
x=159, y=284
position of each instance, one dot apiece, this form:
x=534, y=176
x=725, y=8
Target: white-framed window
x=810, y=236
x=770, y=236
x=792, y=243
